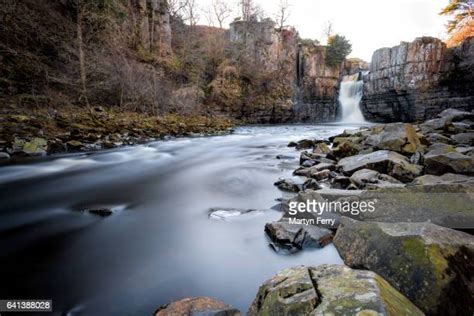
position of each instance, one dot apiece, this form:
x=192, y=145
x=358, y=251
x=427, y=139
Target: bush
x=337, y=50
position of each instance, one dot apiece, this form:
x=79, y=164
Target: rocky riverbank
x=406, y=255
x=40, y=132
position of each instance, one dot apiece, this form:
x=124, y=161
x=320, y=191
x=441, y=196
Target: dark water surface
x=160, y=244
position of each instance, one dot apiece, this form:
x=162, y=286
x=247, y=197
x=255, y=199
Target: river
x=160, y=244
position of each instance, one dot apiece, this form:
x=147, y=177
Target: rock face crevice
x=415, y=81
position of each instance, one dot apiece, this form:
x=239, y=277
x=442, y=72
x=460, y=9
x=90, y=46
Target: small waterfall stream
x=350, y=94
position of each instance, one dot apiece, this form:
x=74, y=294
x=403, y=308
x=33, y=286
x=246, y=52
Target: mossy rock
x=431, y=265
x=329, y=290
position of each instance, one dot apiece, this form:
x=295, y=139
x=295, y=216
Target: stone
x=447, y=178
x=287, y=185
x=456, y=115
x=432, y=266
x=35, y=147
x=228, y=214
x=321, y=149
x=197, y=306
x=439, y=148
x=305, y=144
x=438, y=138
x=397, y=137
x=382, y=161
x=329, y=290
x=464, y=138
x=309, y=163
x=321, y=175
x=4, y=156
x=346, y=149
x=74, y=145
x=294, y=237
x=103, y=212
x=371, y=179
x=309, y=172
x=452, y=162
x=311, y=184
x=341, y=182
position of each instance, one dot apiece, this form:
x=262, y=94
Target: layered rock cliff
x=415, y=81
x=304, y=87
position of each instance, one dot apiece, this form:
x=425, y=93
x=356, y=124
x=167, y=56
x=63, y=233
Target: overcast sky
x=368, y=24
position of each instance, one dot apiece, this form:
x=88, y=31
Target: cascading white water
x=350, y=95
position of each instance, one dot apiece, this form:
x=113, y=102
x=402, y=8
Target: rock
x=469, y=151
x=197, y=306
x=284, y=157
x=417, y=158
x=35, y=147
x=305, y=144
x=309, y=172
x=295, y=237
x=452, y=162
x=75, y=145
x=292, y=144
x=341, y=182
x=104, y=212
x=447, y=178
x=329, y=290
x=309, y=163
x=345, y=149
x=464, y=138
x=438, y=138
x=397, y=137
x=321, y=149
x=226, y=214
x=431, y=265
x=440, y=148
x=370, y=179
x=456, y=115
x=321, y=175
x=311, y=184
x=287, y=185
x=382, y=161
x=4, y=156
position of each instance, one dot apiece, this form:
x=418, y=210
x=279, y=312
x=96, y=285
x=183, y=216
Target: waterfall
x=350, y=94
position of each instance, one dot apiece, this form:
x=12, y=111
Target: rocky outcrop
x=431, y=265
x=197, y=306
x=415, y=81
x=329, y=290
x=310, y=92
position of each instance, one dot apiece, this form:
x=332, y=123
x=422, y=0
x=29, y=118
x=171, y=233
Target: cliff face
x=303, y=89
x=415, y=81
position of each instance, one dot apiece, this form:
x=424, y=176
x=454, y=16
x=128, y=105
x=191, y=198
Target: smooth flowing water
x=350, y=95
x=160, y=244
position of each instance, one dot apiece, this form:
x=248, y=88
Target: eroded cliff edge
x=415, y=81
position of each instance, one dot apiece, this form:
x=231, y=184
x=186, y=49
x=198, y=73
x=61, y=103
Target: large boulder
x=295, y=237
x=329, y=290
x=431, y=265
x=197, y=306
x=371, y=179
x=383, y=161
x=453, y=162
x=397, y=137
x=447, y=178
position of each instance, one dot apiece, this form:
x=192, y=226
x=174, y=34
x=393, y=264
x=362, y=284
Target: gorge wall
x=304, y=87
x=415, y=81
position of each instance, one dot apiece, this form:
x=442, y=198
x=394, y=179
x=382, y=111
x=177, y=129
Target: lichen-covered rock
x=383, y=161
x=34, y=147
x=431, y=265
x=329, y=290
x=295, y=237
x=197, y=306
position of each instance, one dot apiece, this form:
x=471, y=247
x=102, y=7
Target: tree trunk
x=80, y=47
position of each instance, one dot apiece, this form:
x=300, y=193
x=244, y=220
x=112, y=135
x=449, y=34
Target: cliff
x=301, y=87
x=415, y=81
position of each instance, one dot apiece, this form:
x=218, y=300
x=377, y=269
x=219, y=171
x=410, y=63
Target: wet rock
x=197, y=306
x=397, y=137
x=309, y=163
x=287, y=185
x=329, y=290
x=284, y=157
x=73, y=145
x=294, y=237
x=309, y=172
x=464, y=138
x=311, y=184
x=304, y=144
x=452, y=162
x=382, y=161
x=432, y=266
x=4, y=156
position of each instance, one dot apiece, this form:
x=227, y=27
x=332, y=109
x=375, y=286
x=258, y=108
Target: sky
x=368, y=24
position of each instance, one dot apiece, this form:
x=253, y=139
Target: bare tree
x=221, y=10
x=176, y=8
x=283, y=13
x=250, y=10
x=328, y=30
x=191, y=12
